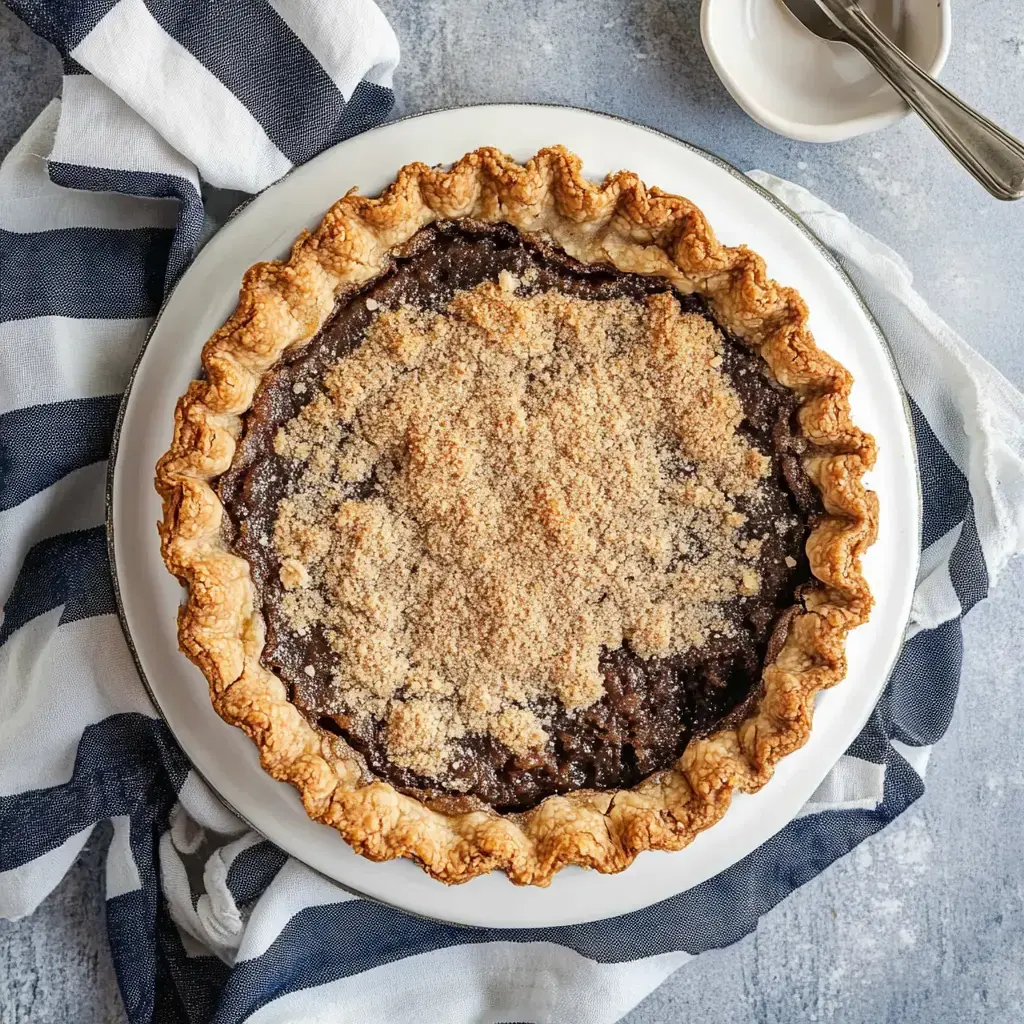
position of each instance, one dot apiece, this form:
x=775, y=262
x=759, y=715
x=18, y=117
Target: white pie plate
x=149, y=597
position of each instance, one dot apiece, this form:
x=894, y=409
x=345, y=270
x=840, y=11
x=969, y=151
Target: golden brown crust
x=283, y=304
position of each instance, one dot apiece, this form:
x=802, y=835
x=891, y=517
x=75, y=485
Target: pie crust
x=637, y=230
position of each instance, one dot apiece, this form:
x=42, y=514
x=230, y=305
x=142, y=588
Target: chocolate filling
x=651, y=708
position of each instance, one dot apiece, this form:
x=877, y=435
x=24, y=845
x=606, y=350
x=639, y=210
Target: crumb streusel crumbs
x=546, y=475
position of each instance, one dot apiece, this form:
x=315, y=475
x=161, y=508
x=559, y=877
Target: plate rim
x=713, y=158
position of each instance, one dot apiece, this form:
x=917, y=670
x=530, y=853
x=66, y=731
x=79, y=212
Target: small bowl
x=804, y=87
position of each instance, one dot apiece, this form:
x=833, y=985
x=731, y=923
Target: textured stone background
x=925, y=922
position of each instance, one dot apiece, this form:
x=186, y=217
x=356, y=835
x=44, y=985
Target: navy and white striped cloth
x=101, y=208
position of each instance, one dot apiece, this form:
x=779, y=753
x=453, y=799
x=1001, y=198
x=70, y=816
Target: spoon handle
x=993, y=156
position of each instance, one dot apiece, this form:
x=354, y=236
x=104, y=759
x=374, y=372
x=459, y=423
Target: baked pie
x=520, y=520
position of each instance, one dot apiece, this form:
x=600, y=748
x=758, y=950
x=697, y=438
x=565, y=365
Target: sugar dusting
x=551, y=477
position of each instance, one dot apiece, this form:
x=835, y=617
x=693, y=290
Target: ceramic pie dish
x=148, y=596
x=520, y=520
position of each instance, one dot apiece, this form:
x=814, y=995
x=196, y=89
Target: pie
x=520, y=520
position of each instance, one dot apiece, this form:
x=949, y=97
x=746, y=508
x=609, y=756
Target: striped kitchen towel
x=101, y=208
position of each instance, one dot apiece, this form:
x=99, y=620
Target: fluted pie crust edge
x=283, y=304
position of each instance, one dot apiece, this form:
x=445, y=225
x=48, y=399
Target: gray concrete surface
x=925, y=922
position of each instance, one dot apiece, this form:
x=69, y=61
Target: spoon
x=992, y=155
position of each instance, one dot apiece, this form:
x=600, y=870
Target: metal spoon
x=993, y=156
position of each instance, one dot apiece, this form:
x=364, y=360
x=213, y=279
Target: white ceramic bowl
x=804, y=87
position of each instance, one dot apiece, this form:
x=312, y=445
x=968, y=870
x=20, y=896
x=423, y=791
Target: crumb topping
x=485, y=497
